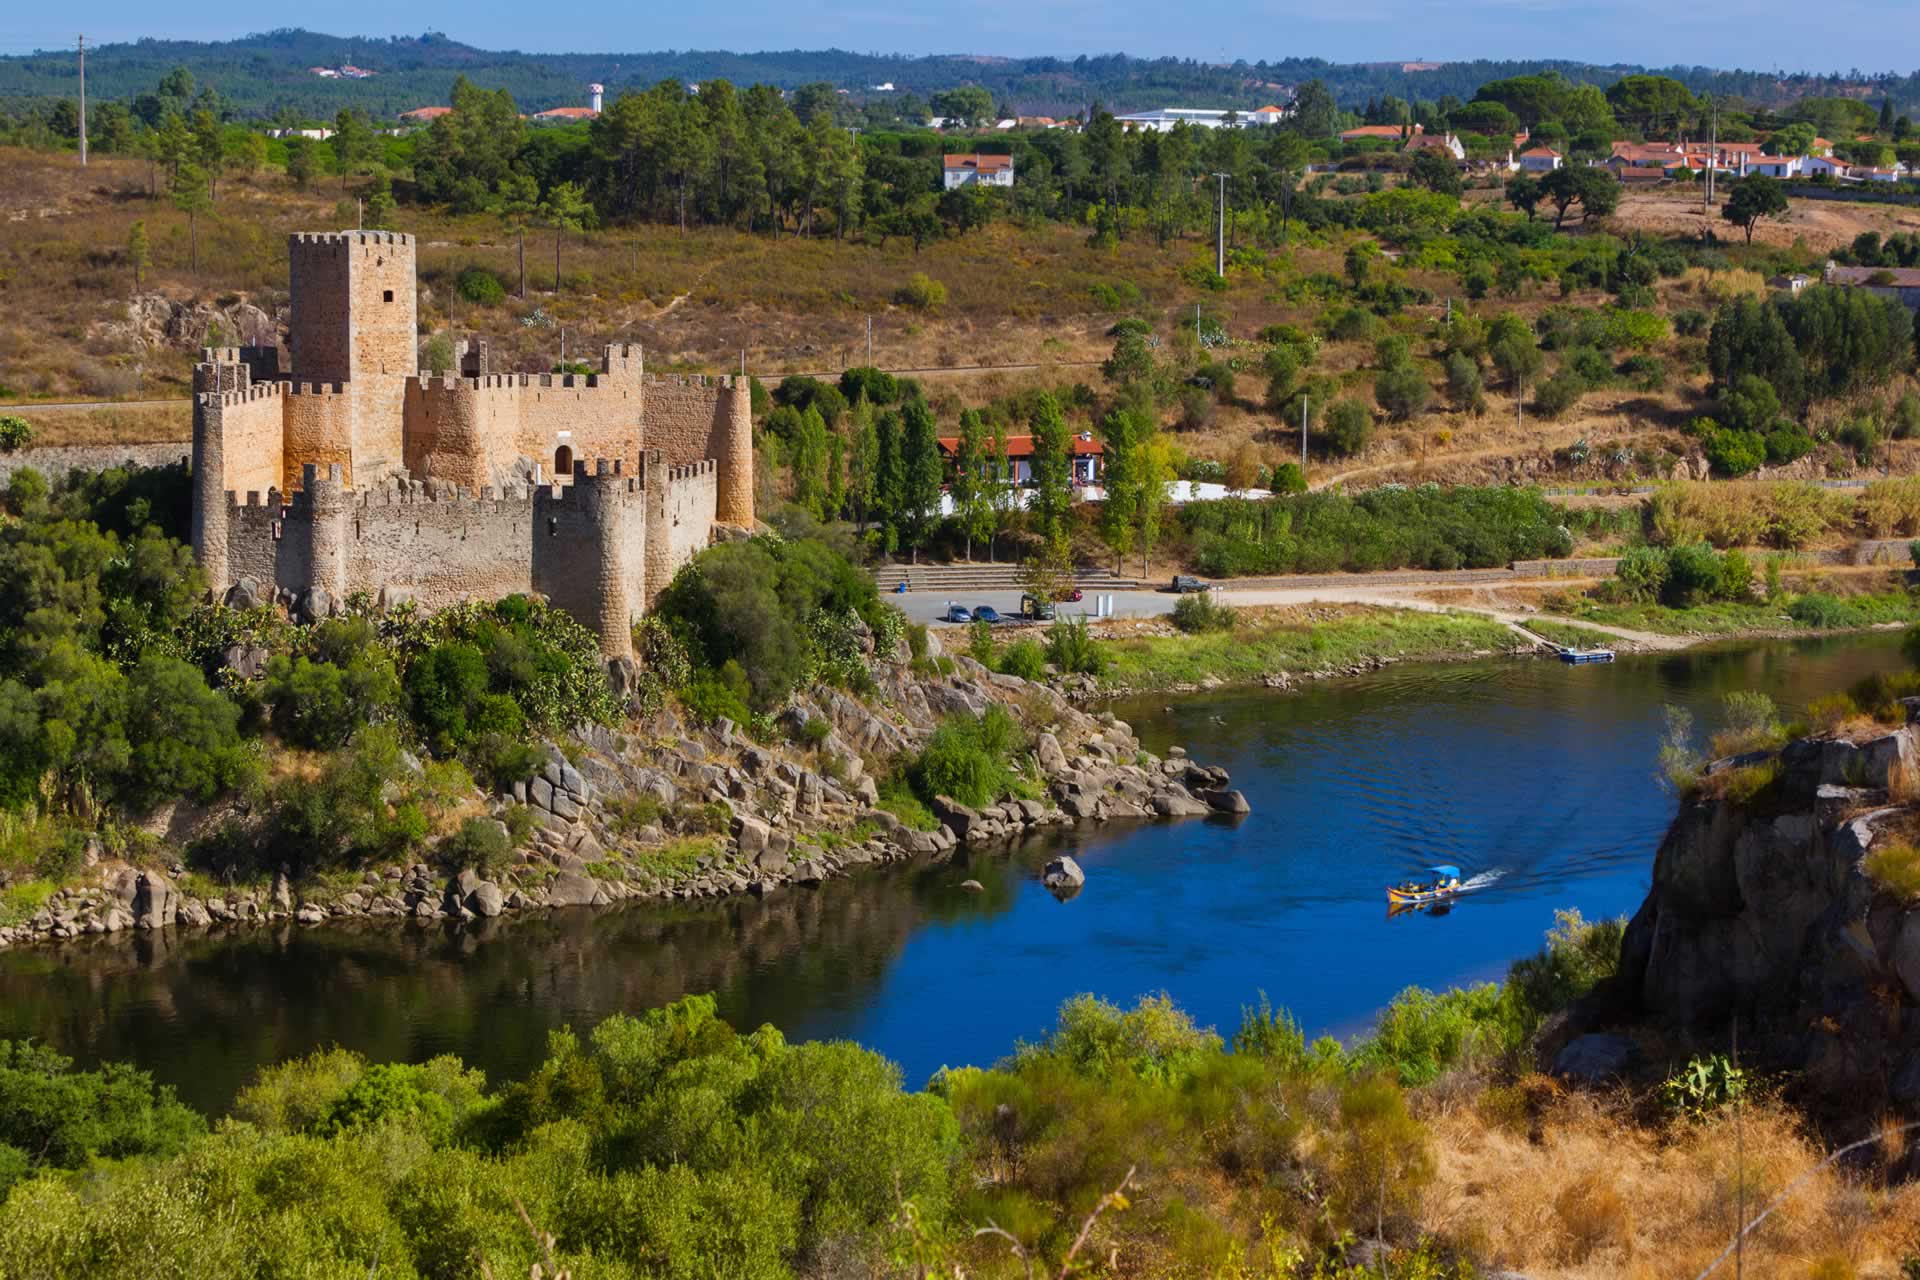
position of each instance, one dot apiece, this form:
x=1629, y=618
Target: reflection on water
x=1535, y=775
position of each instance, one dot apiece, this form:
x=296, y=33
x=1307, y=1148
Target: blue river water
x=1536, y=778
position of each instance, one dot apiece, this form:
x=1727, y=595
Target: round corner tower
x=355, y=322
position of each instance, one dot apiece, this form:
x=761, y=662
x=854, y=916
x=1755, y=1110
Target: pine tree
x=188, y=192
x=970, y=480
x=138, y=250
x=864, y=465
x=1052, y=468
x=920, y=473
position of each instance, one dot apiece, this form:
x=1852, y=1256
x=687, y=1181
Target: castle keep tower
x=354, y=323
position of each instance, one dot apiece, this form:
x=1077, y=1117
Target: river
x=1536, y=777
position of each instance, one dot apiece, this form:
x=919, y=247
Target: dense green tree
x=187, y=192
x=1052, y=468
x=1749, y=337
x=972, y=480
x=465, y=156
x=1596, y=191
x=920, y=471
x=1437, y=172
x=1754, y=197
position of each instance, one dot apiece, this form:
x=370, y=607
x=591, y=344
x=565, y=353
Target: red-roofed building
x=1390, y=132
x=1086, y=455
x=1445, y=143
x=425, y=115
x=968, y=169
x=1541, y=160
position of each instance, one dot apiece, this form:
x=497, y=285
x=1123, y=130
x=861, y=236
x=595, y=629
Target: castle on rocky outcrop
x=358, y=472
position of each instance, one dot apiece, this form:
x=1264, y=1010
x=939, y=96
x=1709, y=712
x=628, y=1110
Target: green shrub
x=1559, y=393
x=1072, y=649
x=923, y=292
x=344, y=678
x=15, y=432
x=1895, y=867
x=481, y=287
x=1347, y=427
x=980, y=641
x=968, y=758
x=1704, y=1086
x=65, y=1119
x=1024, y=658
x=1578, y=957
x=1402, y=392
x=1287, y=478
x=1115, y=295
x=1420, y=1034
x=713, y=695
x=1391, y=527
x=1200, y=612
x=1825, y=613
x=480, y=843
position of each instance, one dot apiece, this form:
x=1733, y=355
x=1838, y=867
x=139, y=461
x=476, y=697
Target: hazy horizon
x=1714, y=33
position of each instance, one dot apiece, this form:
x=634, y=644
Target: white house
x=1869, y=173
x=1776, y=166
x=1540, y=160
x=976, y=170
x=1163, y=120
x=1813, y=166
x=1445, y=143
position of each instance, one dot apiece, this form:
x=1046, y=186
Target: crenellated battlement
x=703, y=469
x=248, y=394
x=347, y=239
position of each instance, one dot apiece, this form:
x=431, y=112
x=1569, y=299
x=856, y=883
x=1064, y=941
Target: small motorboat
x=1444, y=886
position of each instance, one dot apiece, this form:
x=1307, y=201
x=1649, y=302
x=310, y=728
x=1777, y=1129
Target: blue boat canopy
x=1446, y=872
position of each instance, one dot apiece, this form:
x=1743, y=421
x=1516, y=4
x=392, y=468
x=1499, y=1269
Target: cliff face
x=1760, y=913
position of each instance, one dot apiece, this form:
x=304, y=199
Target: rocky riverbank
x=1770, y=910
x=667, y=808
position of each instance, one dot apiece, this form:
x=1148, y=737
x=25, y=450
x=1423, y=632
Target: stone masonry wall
x=441, y=547
x=692, y=492
x=319, y=431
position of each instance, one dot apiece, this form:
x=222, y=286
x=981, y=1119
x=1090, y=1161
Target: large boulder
x=1053, y=761
x=486, y=899
x=1596, y=1058
x=954, y=816
x=155, y=901
x=1177, y=802
x=1225, y=800
x=571, y=889
x=1063, y=874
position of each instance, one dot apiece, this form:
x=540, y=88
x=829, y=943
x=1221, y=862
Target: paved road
x=931, y=606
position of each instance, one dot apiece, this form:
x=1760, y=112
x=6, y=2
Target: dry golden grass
x=1600, y=1195
x=141, y=424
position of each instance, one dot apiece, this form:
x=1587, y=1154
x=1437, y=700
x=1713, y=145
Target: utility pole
x=869, y=342
x=1220, y=235
x=1713, y=156
x=83, y=102
x=1303, y=435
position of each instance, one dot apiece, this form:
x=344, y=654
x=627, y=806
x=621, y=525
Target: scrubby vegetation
x=670, y=1144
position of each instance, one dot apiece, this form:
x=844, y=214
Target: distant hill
x=265, y=74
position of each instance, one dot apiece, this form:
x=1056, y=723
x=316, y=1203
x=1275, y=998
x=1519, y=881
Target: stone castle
x=355, y=471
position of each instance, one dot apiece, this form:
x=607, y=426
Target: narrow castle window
x=563, y=462
x=553, y=527
x=387, y=296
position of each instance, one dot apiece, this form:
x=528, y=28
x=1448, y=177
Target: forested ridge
x=268, y=72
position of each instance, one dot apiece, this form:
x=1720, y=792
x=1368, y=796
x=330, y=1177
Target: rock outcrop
x=1761, y=913
x=773, y=814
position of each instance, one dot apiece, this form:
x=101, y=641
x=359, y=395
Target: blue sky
x=1785, y=35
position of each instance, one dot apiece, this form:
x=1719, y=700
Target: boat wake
x=1481, y=881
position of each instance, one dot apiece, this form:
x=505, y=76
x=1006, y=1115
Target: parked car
x=1183, y=585
x=958, y=613
x=987, y=613
x=1037, y=609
